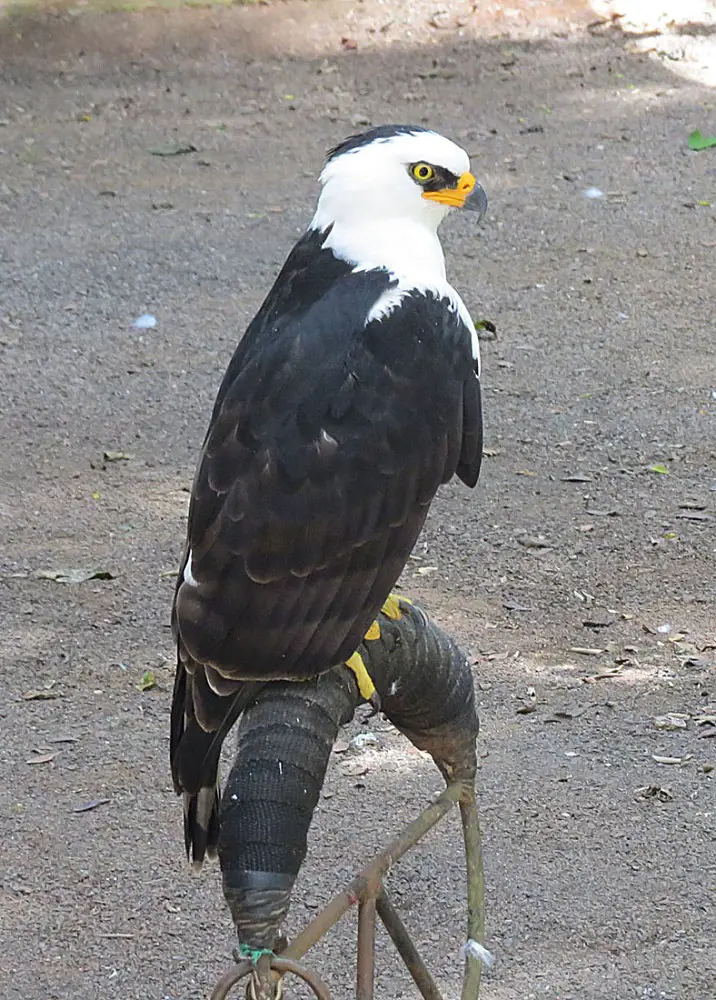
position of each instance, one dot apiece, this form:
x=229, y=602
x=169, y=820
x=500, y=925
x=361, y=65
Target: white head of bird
x=386, y=191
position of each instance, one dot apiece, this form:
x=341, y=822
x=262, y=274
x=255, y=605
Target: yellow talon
x=365, y=684
x=392, y=608
x=373, y=632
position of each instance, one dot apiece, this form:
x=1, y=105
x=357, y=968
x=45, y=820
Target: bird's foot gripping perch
x=363, y=679
x=392, y=610
x=285, y=741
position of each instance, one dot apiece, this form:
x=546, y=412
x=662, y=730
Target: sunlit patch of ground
x=681, y=34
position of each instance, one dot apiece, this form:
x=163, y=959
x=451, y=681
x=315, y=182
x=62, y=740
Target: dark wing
x=316, y=478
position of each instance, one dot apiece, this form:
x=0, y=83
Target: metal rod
x=364, y=889
x=262, y=979
x=278, y=964
x=406, y=949
x=229, y=979
x=365, y=965
x=475, y=891
x=369, y=878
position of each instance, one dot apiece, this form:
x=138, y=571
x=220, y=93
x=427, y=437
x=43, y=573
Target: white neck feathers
x=408, y=250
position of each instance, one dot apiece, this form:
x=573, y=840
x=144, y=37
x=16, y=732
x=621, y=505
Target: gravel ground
x=592, y=527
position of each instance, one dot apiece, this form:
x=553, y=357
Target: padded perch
x=285, y=739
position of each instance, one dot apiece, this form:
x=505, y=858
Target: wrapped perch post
x=284, y=742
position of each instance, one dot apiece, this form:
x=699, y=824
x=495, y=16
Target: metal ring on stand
x=277, y=964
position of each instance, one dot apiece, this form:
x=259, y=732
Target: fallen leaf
x=671, y=721
x=510, y=605
x=576, y=479
x=602, y=675
x=363, y=740
x=148, y=681
x=172, y=148
x=529, y=703
x=698, y=141
x=426, y=570
x=586, y=650
x=116, y=456
x=45, y=694
x=660, y=759
x=42, y=758
x=491, y=452
x=534, y=542
x=74, y=575
x=354, y=769
x=575, y=713
x=525, y=472
x=583, y=596
x=688, y=655
x=598, y=620
x=340, y=746
x=485, y=326
x=89, y=806
x=660, y=468
x=655, y=792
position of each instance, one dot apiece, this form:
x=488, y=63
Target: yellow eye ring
x=422, y=172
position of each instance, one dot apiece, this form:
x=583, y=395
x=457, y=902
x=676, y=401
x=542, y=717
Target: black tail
x=200, y=721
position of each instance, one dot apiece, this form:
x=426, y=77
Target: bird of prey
x=352, y=396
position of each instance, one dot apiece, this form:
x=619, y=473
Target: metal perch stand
x=427, y=692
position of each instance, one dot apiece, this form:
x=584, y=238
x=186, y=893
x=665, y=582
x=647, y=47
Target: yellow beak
x=454, y=197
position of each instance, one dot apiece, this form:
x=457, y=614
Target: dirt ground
x=582, y=566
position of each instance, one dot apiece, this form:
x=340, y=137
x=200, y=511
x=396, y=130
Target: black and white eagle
x=352, y=396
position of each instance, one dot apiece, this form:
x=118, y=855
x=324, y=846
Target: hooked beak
x=466, y=194
x=476, y=201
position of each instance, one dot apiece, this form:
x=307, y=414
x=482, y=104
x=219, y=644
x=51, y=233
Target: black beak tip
x=476, y=201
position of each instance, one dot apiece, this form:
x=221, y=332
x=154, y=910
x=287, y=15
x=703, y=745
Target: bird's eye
x=422, y=172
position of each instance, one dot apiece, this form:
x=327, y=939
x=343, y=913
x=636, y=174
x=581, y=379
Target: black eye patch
x=443, y=178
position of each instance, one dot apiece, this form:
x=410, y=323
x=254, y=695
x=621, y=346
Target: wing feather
x=327, y=445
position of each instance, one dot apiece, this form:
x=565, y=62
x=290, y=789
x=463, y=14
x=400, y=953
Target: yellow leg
x=365, y=684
